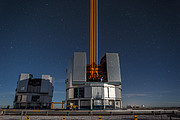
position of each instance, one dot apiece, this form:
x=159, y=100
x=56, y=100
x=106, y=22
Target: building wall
x=22, y=85
x=113, y=67
x=69, y=73
x=118, y=92
x=97, y=92
x=79, y=67
x=34, y=93
x=97, y=95
x=88, y=92
x=25, y=76
x=44, y=86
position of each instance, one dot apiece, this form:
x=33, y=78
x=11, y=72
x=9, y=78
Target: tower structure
x=94, y=85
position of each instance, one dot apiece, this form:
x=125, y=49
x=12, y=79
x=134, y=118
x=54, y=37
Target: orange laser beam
x=96, y=32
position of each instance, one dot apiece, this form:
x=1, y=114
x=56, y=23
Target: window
x=78, y=92
x=22, y=88
x=34, y=82
x=35, y=98
x=75, y=92
x=34, y=85
x=21, y=98
x=81, y=92
x=117, y=102
x=108, y=92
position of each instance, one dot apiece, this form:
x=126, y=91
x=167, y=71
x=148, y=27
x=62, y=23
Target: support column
x=114, y=104
x=104, y=104
x=91, y=101
x=79, y=104
x=52, y=105
x=26, y=105
x=65, y=104
x=121, y=103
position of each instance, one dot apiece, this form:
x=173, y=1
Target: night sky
x=39, y=37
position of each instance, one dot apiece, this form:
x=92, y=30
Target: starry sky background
x=39, y=36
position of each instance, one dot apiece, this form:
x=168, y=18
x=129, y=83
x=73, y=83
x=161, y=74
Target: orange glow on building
x=94, y=66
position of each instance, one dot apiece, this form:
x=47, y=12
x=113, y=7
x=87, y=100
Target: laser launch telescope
x=94, y=85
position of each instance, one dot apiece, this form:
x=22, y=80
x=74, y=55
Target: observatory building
x=101, y=91
x=34, y=92
x=94, y=85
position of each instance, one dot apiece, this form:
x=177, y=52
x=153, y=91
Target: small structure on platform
x=63, y=103
x=34, y=92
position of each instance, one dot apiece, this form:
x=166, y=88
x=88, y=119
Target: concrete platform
x=24, y=112
x=118, y=117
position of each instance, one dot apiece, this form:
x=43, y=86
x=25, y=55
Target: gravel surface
x=120, y=117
